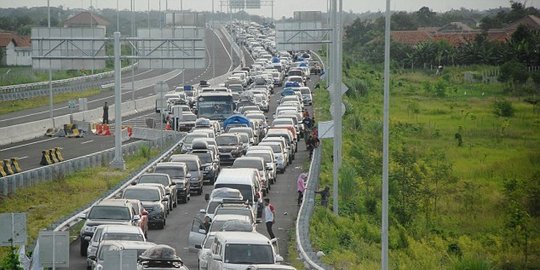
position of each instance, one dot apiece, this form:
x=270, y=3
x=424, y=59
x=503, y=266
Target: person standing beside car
x=301, y=187
x=269, y=217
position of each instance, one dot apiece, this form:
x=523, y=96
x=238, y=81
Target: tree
x=426, y=17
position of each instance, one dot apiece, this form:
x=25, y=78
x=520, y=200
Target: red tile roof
x=85, y=18
x=20, y=41
x=410, y=37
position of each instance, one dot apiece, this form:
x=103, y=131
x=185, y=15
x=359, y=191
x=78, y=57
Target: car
x=194, y=168
x=111, y=232
x=107, y=246
x=280, y=154
x=153, y=201
x=160, y=257
x=253, y=138
x=109, y=211
x=259, y=164
x=209, y=164
x=179, y=174
x=188, y=140
x=198, y=233
x=287, y=148
x=267, y=154
x=229, y=146
x=165, y=180
x=307, y=98
x=239, y=250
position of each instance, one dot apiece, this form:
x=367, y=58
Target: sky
x=281, y=7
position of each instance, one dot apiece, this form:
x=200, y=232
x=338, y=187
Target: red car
x=143, y=214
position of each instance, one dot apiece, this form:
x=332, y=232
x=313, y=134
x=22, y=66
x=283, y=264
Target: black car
x=178, y=172
x=209, y=164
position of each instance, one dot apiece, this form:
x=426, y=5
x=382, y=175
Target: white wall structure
x=18, y=56
x=185, y=19
x=73, y=48
x=192, y=50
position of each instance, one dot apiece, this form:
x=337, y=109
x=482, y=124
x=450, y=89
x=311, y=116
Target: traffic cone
x=168, y=126
x=99, y=129
x=106, y=130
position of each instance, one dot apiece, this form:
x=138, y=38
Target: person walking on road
x=301, y=187
x=269, y=214
x=105, y=113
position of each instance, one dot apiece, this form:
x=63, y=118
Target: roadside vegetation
x=36, y=102
x=20, y=75
x=464, y=167
x=48, y=202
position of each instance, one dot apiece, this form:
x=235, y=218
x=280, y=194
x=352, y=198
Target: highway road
x=29, y=152
x=283, y=196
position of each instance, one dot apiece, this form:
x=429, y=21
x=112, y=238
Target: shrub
x=503, y=108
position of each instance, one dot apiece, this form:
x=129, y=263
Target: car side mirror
x=133, y=183
x=164, y=200
x=206, y=197
x=136, y=218
x=188, y=175
x=268, y=167
x=197, y=246
x=202, y=211
x=92, y=257
x=203, y=231
x=279, y=258
x=83, y=216
x=216, y=257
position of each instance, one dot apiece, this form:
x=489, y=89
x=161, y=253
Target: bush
x=514, y=71
x=503, y=108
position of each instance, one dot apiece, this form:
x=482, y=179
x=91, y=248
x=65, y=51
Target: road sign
x=344, y=88
x=54, y=249
x=301, y=35
x=342, y=109
x=253, y=4
x=326, y=129
x=237, y=4
x=12, y=227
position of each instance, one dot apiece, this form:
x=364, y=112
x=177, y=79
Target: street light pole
x=133, y=53
x=51, y=103
x=386, y=120
x=213, y=44
x=118, y=161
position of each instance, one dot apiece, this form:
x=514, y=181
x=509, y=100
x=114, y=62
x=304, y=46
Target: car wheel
x=84, y=247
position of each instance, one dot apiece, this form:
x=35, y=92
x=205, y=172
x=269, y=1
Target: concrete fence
x=10, y=184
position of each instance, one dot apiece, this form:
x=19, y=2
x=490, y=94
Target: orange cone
x=99, y=129
x=106, y=130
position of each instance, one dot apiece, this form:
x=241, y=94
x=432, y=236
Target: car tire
x=84, y=247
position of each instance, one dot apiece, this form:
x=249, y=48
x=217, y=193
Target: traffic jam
x=234, y=150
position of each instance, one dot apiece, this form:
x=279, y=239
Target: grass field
x=20, y=75
x=468, y=206
x=47, y=202
x=36, y=102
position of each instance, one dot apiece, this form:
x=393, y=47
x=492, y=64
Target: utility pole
x=213, y=44
x=386, y=120
x=133, y=53
x=51, y=103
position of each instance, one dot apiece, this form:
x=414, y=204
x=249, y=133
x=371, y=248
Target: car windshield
x=304, y=91
x=205, y=157
x=248, y=163
x=211, y=209
x=266, y=156
x=191, y=136
x=190, y=93
x=283, y=122
x=248, y=254
x=275, y=147
x=244, y=138
x=192, y=165
x=174, y=173
x=142, y=194
x=157, y=179
x=226, y=140
x=109, y=212
x=123, y=236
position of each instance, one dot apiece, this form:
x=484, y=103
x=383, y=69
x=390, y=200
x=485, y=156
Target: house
x=18, y=49
x=86, y=19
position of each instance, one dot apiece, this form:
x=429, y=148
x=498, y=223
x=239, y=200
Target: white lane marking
x=23, y=157
x=224, y=47
x=174, y=74
x=27, y=144
x=85, y=142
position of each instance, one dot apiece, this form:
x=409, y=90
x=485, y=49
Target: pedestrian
x=325, y=193
x=206, y=224
x=301, y=186
x=105, y=113
x=269, y=217
x=310, y=145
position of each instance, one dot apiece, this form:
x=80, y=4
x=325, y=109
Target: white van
x=247, y=182
x=239, y=250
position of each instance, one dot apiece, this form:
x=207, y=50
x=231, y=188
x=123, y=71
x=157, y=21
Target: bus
x=215, y=105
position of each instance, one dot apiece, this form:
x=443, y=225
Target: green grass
x=47, y=202
x=35, y=102
x=468, y=227
x=20, y=75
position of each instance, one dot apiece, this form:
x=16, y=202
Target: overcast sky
x=281, y=7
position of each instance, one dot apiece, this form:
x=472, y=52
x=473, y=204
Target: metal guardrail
x=303, y=243
x=76, y=217
x=20, y=91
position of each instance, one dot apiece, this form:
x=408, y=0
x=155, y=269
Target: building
x=86, y=19
x=18, y=49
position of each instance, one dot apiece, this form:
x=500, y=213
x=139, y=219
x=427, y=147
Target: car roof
x=185, y=157
x=243, y=238
x=118, y=228
x=171, y=164
x=249, y=158
x=114, y=202
x=144, y=186
x=123, y=244
x=237, y=175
